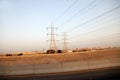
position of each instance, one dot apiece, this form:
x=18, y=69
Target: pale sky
x=87, y=23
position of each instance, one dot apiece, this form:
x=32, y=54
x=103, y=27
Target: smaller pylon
x=64, y=42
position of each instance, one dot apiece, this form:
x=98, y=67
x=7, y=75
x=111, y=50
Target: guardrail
x=58, y=67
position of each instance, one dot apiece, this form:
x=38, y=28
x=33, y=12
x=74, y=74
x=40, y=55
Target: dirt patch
x=56, y=58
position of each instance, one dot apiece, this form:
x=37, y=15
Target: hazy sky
x=87, y=23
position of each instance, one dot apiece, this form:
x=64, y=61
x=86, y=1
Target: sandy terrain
x=56, y=58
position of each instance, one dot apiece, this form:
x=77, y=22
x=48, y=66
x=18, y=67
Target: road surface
x=98, y=74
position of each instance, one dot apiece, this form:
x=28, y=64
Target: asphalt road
x=101, y=74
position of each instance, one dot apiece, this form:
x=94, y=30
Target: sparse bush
x=50, y=51
x=84, y=50
x=74, y=51
x=8, y=54
x=20, y=54
x=59, y=51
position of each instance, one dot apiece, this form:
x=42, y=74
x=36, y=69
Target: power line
x=97, y=17
x=97, y=38
x=102, y=20
x=106, y=38
x=78, y=13
x=88, y=28
x=67, y=9
x=95, y=30
x=104, y=35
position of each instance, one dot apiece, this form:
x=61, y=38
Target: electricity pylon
x=64, y=42
x=52, y=38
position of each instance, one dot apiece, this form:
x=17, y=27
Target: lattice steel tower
x=65, y=41
x=52, y=38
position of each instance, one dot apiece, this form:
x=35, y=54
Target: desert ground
x=62, y=57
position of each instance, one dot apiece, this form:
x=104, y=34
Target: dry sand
x=56, y=58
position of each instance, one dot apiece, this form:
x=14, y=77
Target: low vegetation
x=63, y=57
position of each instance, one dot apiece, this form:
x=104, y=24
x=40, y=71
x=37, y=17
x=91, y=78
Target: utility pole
x=52, y=38
x=64, y=42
